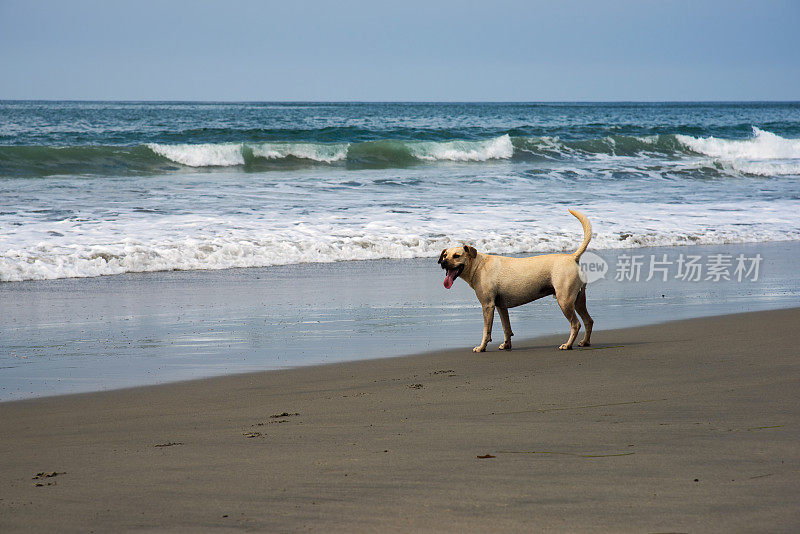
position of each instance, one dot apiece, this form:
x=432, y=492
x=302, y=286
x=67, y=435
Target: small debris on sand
x=40, y=476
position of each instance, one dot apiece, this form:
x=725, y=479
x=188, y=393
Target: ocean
x=103, y=188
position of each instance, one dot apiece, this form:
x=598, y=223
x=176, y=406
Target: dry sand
x=689, y=426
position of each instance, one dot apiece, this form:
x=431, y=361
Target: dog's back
x=518, y=281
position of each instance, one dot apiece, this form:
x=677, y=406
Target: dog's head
x=454, y=261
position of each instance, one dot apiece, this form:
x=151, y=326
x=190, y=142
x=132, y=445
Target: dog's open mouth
x=451, y=276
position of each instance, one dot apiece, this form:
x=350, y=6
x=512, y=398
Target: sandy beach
x=220, y=303
x=686, y=426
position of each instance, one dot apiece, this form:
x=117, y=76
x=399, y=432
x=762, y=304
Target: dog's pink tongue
x=449, y=279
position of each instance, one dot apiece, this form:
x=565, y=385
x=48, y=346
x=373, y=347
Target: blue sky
x=409, y=50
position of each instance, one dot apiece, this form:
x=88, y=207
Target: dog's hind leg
x=504, y=320
x=567, y=304
x=488, y=320
x=580, y=307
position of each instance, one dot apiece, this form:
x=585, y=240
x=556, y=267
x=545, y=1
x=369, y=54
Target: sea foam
x=192, y=242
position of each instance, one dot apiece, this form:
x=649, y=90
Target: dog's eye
x=456, y=255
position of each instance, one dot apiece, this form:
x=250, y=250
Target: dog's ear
x=471, y=252
x=441, y=256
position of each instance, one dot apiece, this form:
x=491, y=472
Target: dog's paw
x=505, y=345
x=584, y=344
x=479, y=349
x=565, y=347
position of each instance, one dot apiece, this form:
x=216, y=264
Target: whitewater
x=93, y=189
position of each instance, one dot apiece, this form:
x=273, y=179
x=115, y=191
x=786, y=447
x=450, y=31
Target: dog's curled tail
x=587, y=233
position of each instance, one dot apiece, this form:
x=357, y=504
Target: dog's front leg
x=488, y=319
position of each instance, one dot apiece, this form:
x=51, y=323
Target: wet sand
x=92, y=334
x=687, y=426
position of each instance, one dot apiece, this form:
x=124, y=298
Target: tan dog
x=502, y=282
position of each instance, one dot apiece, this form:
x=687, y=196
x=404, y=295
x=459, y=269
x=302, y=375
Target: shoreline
x=682, y=426
x=91, y=334
x=541, y=342
x=633, y=248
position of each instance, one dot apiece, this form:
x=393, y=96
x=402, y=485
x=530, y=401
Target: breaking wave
x=763, y=154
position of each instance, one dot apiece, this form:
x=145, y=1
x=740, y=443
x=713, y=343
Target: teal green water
x=108, y=138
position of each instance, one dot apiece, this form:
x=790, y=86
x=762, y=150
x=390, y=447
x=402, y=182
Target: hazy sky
x=400, y=50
